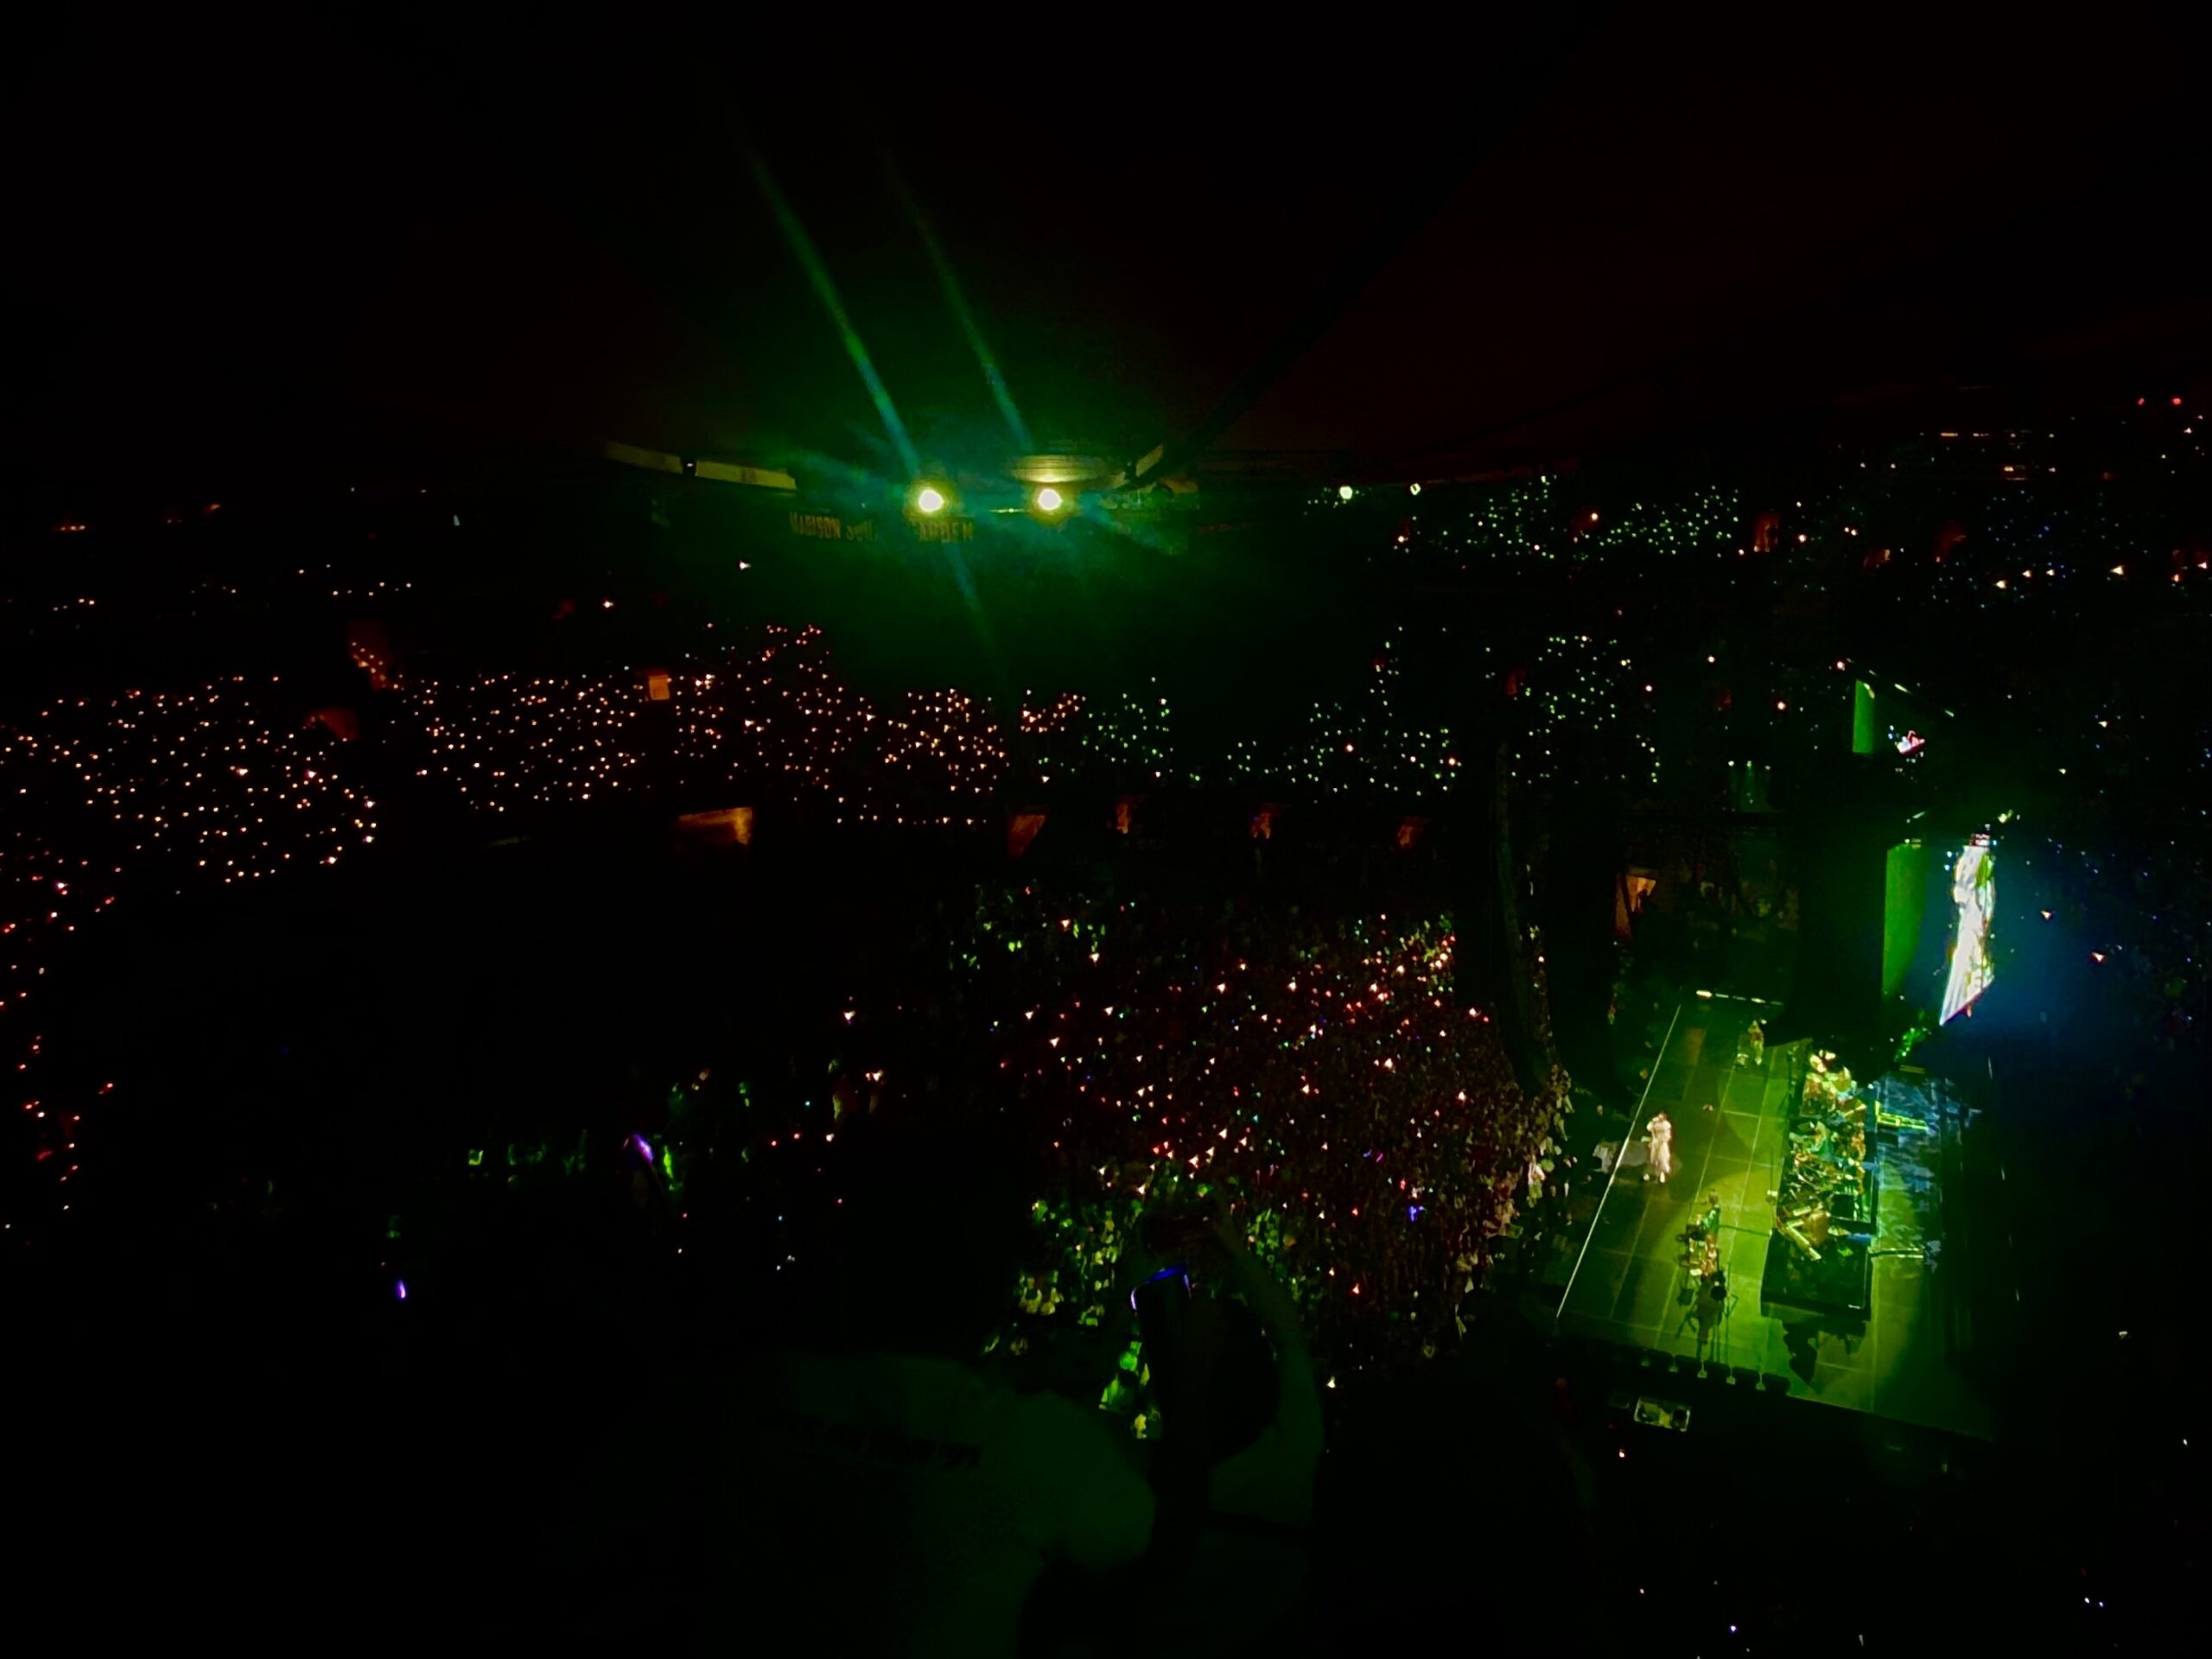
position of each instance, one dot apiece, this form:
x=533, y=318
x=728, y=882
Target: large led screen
x=1973, y=890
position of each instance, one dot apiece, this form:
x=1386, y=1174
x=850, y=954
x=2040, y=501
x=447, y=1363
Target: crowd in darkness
x=1369, y=1129
x=238, y=781
x=1366, y=1131
x=1308, y=1062
x=1296, y=1056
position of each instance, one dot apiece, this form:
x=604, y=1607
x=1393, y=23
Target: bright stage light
x=1049, y=500
x=928, y=499
x=1343, y=492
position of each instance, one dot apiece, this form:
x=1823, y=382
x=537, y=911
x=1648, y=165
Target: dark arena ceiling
x=1386, y=256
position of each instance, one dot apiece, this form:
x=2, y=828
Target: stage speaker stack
x=1486, y=971
x=1840, y=852
x=1479, y=960
x=1576, y=891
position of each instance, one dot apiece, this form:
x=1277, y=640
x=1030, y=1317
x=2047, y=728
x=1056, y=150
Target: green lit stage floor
x=1617, y=1272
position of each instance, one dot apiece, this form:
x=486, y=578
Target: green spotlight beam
x=810, y=261
x=986, y=636
x=956, y=301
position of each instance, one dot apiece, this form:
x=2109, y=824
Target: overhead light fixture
x=1049, y=500
x=928, y=499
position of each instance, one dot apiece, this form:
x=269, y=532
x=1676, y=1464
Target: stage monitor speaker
x=1842, y=858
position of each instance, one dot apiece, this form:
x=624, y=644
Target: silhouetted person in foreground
x=1241, y=1440
x=875, y=1489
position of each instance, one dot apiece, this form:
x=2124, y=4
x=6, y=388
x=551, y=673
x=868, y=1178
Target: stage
x=1617, y=1269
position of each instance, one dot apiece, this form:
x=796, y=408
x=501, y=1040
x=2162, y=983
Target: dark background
x=271, y=248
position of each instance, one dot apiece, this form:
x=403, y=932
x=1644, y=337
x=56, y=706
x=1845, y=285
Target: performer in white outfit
x=1660, y=1133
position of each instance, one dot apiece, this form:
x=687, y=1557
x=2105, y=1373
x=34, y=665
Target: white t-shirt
x=1248, y=1574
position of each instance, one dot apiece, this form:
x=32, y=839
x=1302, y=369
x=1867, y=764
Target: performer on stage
x=1702, y=1236
x=1660, y=1134
x=1712, y=1303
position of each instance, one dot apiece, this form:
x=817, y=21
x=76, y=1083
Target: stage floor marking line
x=1614, y=1174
